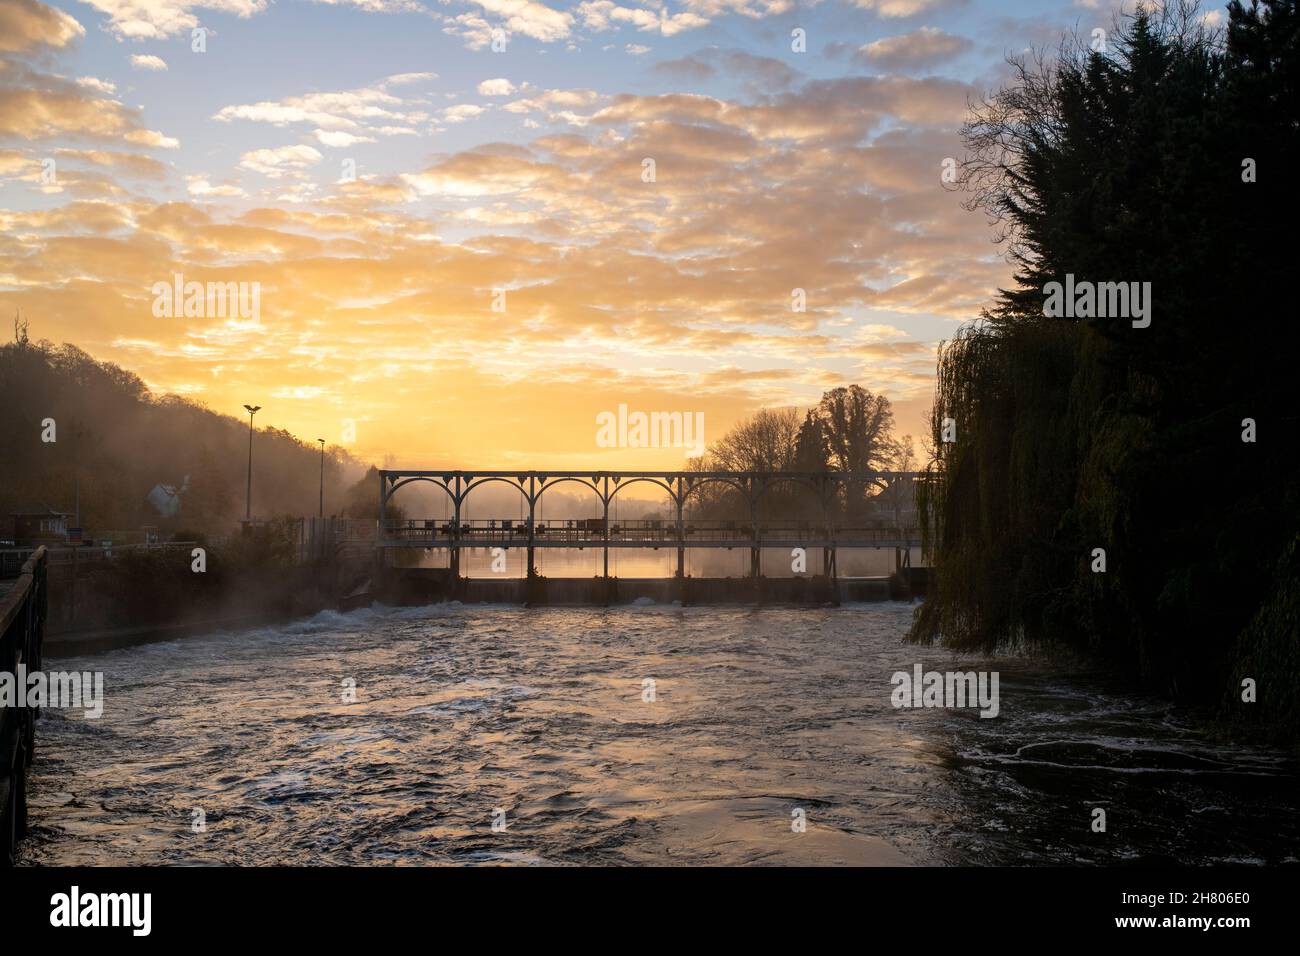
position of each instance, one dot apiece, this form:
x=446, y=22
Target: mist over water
x=462, y=710
x=649, y=563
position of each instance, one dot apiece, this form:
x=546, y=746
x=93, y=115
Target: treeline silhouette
x=850, y=430
x=121, y=441
x=1166, y=158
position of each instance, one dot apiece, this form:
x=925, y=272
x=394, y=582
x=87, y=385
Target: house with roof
x=39, y=524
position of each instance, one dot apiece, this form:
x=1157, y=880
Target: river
x=538, y=720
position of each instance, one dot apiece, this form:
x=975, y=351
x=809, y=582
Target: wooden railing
x=23, y=608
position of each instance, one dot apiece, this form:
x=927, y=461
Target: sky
x=472, y=226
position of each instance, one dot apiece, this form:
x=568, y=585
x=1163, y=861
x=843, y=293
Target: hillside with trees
x=120, y=441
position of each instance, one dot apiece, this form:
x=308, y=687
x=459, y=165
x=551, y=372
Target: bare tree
x=765, y=442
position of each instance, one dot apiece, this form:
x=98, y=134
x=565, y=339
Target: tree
x=810, y=452
x=857, y=427
x=362, y=499
x=765, y=442
x=1122, y=166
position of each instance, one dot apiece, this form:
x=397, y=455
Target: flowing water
x=538, y=719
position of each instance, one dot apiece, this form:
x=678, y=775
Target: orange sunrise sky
x=383, y=172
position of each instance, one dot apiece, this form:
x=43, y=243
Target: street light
x=322, y=476
x=248, y=501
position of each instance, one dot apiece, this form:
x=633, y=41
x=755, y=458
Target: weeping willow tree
x=992, y=504
x=1100, y=489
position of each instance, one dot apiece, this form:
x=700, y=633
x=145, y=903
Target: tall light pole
x=322, y=476
x=248, y=501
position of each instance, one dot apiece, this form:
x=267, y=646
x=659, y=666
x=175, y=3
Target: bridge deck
x=504, y=533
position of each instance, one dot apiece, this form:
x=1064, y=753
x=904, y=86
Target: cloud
x=158, y=19
x=377, y=6
x=199, y=187
x=505, y=19
x=497, y=87
x=557, y=105
x=403, y=79
x=281, y=161
x=481, y=174
x=363, y=113
x=147, y=61
x=149, y=137
x=28, y=24
x=904, y=8
x=769, y=73
x=99, y=86
x=601, y=15
x=36, y=105
x=529, y=18
x=340, y=139
x=461, y=113
x=827, y=112
x=922, y=48
x=695, y=68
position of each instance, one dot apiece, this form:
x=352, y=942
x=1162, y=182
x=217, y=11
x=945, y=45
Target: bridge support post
x=532, y=528
x=834, y=577
x=604, y=500
x=454, y=541
x=681, y=544
x=381, y=557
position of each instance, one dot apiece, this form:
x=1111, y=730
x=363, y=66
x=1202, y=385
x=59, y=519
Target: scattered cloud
x=892, y=9
x=601, y=15
x=281, y=161
x=199, y=187
x=340, y=139
x=365, y=111
x=497, y=87
x=26, y=25
x=147, y=61
x=923, y=48
x=158, y=19
x=99, y=86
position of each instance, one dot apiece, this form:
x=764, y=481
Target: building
x=38, y=525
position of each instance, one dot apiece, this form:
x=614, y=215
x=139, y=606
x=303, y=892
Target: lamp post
x=248, y=501
x=322, y=476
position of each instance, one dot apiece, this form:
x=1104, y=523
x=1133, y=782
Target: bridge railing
x=436, y=532
x=23, y=610
x=12, y=560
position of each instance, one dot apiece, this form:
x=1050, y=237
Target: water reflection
x=463, y=711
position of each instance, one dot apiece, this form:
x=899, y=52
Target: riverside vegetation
x=1167, y=159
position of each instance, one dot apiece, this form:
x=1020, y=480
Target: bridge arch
x=402, y=483
x=701, y=482
x=552, y=482
x=657, y=482
x=769, y=483
x=472, y=483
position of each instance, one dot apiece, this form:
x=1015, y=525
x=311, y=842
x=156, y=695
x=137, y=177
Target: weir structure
x=838, y=510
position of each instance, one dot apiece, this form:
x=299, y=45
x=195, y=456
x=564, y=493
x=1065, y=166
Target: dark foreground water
x=463, y=712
